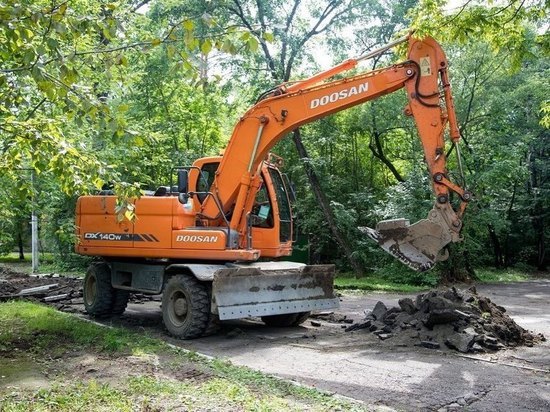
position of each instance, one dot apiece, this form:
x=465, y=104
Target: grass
x=413, y=283
x=37, y=333
x=89, y=396
x=374, y=283
x=46, y=328
x=47, y=263
x=488, y=275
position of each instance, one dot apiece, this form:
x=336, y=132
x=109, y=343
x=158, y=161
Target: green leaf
x=206, y=47
x=269, y=37
x=122, y=60
x=170, y=51
x=253, y=44
x=29, y=56
x=113, y=125
x=188, y=25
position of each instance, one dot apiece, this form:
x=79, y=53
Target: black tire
x=301, y=318
x=214, y=325
x=185, y=307
x=120, y=301
x=98, y=292
x=287, y=319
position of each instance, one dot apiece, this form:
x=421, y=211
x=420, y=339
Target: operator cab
x=271, y=214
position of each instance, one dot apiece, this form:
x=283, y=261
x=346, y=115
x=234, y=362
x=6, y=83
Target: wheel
x=214, y=325
x=185, y=307
x=98, y=292
x=120, y=301
x=287, y=319
x=301, y=318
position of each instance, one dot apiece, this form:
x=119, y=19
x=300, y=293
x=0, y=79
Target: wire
x=419, y=95
x=266, y=94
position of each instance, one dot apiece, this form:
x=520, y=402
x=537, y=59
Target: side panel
x=154, y=222
x=137, y=277
x=98, y=226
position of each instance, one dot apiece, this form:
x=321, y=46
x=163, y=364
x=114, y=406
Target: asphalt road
x=383, y=373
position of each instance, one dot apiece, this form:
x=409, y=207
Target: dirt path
x=360, y=366
x=385, y=373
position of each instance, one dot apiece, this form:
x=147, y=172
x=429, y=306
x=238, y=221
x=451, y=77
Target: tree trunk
x=538, y=225
x=324, y=204
x=497, y=250
x=458, y=268
x=20, y=245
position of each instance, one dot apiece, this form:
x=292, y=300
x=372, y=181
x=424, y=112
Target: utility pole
x=34, y=220
x=34, y=227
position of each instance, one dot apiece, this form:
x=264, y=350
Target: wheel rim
x=178, y=308
x=91, y=290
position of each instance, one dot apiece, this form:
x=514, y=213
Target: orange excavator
x=211, y=243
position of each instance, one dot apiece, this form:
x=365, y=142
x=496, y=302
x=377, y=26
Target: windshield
x=284, y=205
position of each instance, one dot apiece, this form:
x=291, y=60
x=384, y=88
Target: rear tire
x=185, y=307
x=120, y=301
x=97, y=291
x=287, y=319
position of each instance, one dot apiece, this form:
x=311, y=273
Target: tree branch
x=239, y=12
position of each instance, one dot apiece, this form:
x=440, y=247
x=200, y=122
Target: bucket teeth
x=418, y=246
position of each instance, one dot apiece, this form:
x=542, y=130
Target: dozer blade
x=273, y=288
x=419, y=246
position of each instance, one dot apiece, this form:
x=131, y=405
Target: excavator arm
x=425, y=79
x=201, y=247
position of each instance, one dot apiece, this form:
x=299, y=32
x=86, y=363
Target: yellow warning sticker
x=425, y=66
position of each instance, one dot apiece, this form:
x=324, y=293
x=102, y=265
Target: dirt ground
x=361, y=366
x=386, y=373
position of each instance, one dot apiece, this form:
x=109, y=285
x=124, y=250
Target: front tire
x=287, y=319
x=97, y=291
x=185, y=307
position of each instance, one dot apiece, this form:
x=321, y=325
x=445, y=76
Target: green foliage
x=75, y=104
x=7, y=240
x=506, y=26
x=95, y=95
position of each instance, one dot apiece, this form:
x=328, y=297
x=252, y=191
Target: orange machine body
x=238, y=208
x=167, y=229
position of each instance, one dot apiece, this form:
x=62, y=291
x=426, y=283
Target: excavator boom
x=425, y=80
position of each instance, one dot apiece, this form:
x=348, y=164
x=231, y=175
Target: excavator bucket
x=272, y=288
x=419, y=246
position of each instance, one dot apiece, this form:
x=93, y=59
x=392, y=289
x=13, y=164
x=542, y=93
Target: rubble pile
x=458, y=320
x=59, y=291
x=63, y=292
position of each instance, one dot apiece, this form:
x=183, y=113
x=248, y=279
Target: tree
x=64, y=82
x=508, y=26
x=293, y=26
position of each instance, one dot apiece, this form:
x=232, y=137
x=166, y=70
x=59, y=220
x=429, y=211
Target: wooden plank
x=513, y=365
x=37, y=289
x=55, y=298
